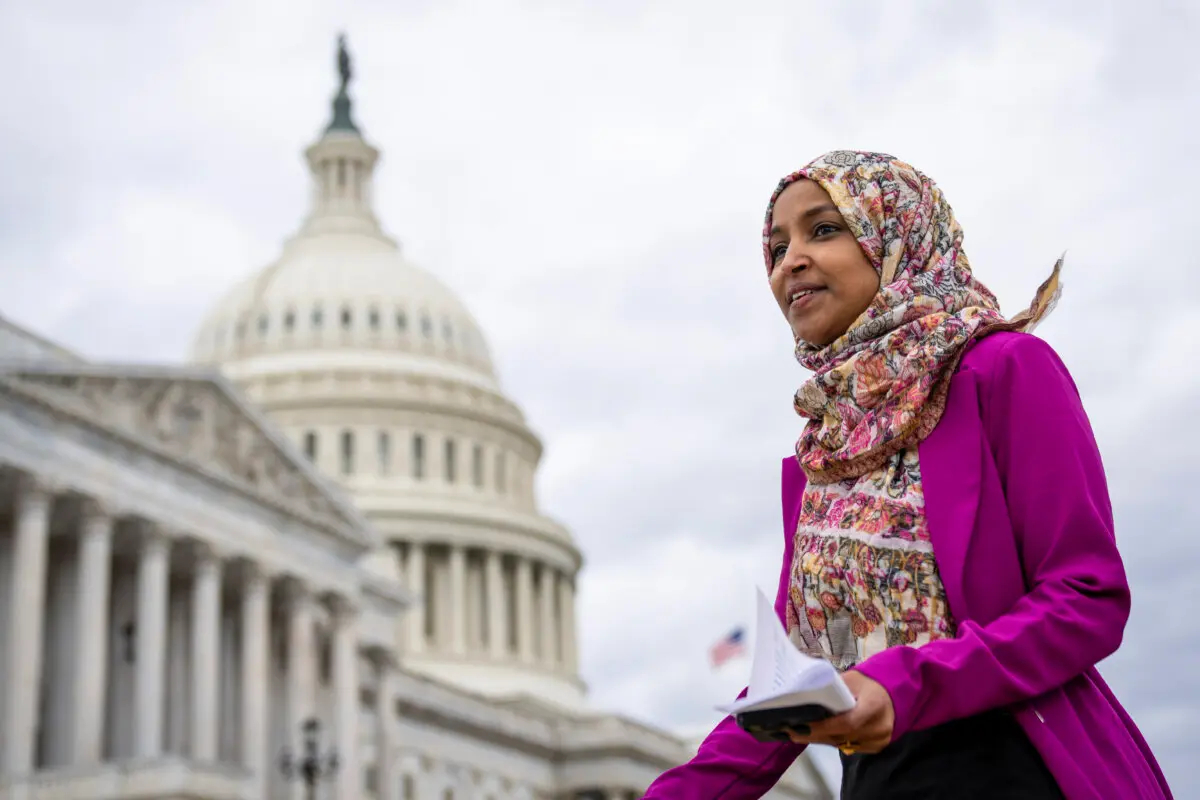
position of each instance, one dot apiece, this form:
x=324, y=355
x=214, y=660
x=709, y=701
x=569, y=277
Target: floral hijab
x=881, y=387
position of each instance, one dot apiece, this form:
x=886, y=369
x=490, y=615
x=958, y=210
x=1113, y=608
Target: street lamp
x=312, y=767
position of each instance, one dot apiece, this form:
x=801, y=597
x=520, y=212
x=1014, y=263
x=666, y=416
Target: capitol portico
x=327, y=517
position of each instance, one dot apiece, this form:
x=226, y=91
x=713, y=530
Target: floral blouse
x=863, y=575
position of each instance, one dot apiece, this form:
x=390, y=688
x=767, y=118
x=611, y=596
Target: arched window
x=401, y=322
x=347, y=452
x=448, y=332
x=373, y=319
x=264, y=323
x=347, y=318
x=317, y=317
x=409, y=788
x=418, y=456
x=289, y=321
x=427, y=327
x=310, y=445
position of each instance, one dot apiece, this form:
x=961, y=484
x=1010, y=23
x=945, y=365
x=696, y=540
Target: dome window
x=289, y=321
x=317, y=317
x=401, y=322
x=347, y=452
x=373, y=319
x=310, y=445
x=427, y=327
x=477, y=465
x=347, y=318
x=448, y=332
x=451, y=466
x=501, y=475
x=263, y=324
x=384, y=445
x=418, y=456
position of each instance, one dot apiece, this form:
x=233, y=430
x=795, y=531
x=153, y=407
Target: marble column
x=150, y=669
x=346, y=698
x=205, y=654
x=25, y=626
x=546, y=625
x=458, y=600
x=255, y=646
x=525, y=623
x=385, y=775
x=497, y=613
x=416, y=585
x=301, y=670
x=92, y=605
x=566, y=624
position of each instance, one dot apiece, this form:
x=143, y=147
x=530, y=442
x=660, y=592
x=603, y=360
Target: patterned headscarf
x=881, y=387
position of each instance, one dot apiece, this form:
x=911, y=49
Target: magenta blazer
x=1022, y=529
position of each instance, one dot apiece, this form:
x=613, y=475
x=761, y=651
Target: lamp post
x=313, y=766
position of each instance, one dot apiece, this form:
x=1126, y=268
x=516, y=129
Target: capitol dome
x=382, y=377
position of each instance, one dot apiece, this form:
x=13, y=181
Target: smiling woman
x=949, y=544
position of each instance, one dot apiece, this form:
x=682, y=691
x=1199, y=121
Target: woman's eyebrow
x=810, y=213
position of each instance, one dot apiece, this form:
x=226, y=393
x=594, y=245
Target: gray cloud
x=591, y=178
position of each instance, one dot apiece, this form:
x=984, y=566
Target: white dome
x=381, y=376
x=342, y=284
x=343, y=291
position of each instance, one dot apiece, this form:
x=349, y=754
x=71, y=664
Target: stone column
x=497, y=613
x=566, y=624
x=525, y=609
x=91, y=664
x=385, y=706
x=346, y=698
x=206, y=654
x=301, y=670
x=150, y=669
x=255, y=649
x=416, y=585
x=458, y=600
x=546, y=624
x=25, y=625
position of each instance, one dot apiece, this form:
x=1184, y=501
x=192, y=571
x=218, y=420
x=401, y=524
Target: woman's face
x=820, y=276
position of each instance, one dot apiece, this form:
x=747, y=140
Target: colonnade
x=485, y=603
x=96, y=666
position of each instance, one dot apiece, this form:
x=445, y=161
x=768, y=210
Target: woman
x=949, y=541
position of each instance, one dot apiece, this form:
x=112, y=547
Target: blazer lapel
x=952, y=478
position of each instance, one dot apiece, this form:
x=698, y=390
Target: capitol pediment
x=197, y=420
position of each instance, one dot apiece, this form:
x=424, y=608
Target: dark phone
x=772, y=724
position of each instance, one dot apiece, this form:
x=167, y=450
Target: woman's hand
x=866, y=728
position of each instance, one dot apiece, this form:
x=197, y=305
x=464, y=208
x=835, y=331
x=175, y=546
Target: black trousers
x=985, y=757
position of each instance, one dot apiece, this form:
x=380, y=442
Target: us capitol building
x=315, y=546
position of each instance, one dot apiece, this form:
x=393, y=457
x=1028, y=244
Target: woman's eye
x=778, y=252
x=825, y=229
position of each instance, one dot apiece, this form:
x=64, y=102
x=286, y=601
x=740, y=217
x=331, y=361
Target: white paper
x=781, y=676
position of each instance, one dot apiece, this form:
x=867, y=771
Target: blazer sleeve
x=1074, y=611
x=731, y=764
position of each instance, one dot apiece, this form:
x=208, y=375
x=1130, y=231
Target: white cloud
x=591, y=178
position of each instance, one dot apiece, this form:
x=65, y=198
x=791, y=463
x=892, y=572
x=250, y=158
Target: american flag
x=731, y=646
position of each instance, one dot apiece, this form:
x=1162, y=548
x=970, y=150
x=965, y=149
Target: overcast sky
x=591, y=177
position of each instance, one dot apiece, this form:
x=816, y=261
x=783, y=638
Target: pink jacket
x=1022, y=528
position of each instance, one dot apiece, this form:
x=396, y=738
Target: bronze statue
x=343, y=62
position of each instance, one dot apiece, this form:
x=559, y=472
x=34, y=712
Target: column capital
x=295, y=590
x=149, y=533
x=38, y=485
x=343, y=608
x=93, y=510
